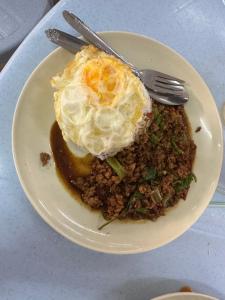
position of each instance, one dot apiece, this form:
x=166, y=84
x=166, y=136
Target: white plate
x=31, y=127
x=184, y=296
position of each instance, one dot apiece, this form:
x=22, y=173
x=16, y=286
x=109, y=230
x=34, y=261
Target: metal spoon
x=74, y=44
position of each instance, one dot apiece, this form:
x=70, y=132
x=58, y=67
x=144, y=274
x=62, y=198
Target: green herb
x=155, y=111
x=116, y=166
x=156, y=196
x=162, y=125
x=175, y=147
x=133, y=198
x=154, y=139
x=136, y=195
x=194, y=177
x=150, y=174
x=159, y=121
x=166, y=199
x=183, y=184
x=106, y=223
x=142, y=210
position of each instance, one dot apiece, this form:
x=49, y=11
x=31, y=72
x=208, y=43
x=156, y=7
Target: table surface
x=36, y=262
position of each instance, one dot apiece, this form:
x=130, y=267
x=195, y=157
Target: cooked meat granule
x=186, y=289
x=44, y=158
x=157, y=168
x=198, y=129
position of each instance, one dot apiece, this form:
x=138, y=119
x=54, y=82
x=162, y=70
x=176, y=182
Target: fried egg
x=100, y=105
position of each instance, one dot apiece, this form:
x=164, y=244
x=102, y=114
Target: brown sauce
x=68, y=166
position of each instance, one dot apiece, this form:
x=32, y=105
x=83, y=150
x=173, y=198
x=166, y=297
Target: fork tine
x=168, y=81
x=168, y=77
x=169, y=86
x=171, y=78
x=166, y=91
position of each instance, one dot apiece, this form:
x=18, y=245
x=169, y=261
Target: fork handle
x=94, y=39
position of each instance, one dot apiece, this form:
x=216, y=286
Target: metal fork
x=74, y=44
x=153, y=80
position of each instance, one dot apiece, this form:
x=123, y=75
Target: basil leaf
x=184, y=183
x=116, y=166
x=150, y=174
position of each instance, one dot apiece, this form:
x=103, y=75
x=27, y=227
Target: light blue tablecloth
x=37, y=263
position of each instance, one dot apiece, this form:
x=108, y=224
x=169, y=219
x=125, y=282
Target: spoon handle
x=65, y=40
x=74, y=44
x=93, y=38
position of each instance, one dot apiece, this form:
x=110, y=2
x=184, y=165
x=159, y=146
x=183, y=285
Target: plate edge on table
x=167, y=296
x=45, y=217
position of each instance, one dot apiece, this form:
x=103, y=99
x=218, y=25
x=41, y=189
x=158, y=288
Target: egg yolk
x=103, y=76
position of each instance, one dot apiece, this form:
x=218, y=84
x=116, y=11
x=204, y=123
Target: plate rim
x=45, y=216
x=165, y=297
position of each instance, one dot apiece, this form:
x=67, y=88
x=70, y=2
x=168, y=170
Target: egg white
x=99, y=103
